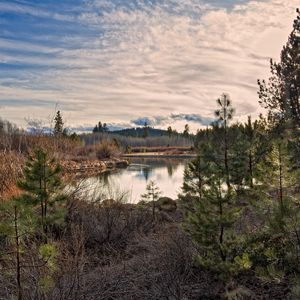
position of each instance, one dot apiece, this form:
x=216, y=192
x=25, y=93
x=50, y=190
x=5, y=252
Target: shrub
x=107, y=150
x=166, y=204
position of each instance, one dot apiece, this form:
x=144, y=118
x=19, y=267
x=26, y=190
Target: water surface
x=131, y=182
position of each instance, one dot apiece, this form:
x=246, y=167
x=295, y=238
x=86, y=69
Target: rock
x=166, y=204
x=109, y=164
x=142, y=203
x=122, y=164
x=108, y=202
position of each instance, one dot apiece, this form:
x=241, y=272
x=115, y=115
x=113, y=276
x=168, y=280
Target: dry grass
x=11, y=165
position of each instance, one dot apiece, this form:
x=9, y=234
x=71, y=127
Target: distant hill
x=135, y=137
x=140, y=132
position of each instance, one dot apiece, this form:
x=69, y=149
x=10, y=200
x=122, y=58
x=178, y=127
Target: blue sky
x=123, y=61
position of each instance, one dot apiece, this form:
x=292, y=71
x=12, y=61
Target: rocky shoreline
x=92, y=167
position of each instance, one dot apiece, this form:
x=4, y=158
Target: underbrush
x=113, y=250
x=11, y=169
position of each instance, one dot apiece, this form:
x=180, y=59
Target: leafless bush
x=166, y=266
x=110, y=224
x=72, y=262
x=107, y=150
x=9, y=136
x=161, y=269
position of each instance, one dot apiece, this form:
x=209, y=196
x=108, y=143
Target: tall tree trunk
x=45, y=195
x=221, y=236
x=200, y=183
x=251, y=169
x=280, y=177
x=153, y=209
x=226, y=155
x=42, y=205
x=18, y=263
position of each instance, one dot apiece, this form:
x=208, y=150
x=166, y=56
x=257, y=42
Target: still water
x=130, y=183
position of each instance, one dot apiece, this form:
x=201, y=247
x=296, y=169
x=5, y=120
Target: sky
x=125, y=62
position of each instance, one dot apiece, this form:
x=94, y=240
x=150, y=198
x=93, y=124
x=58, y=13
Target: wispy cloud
x=18, y=8
x=171, y=119
x=118, y=60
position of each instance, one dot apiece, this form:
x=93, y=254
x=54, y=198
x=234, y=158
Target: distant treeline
x=138, y=141
x=14, y=139
x=142, y=132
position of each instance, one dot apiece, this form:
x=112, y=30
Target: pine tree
x=281, y=177
x=279, y=209
x=237, y=158
x=145, y=130
x=96, y=129
x=153, y=193
x=195, y=179
x=250, y=134
x=210, y=213
x=249, y=149
x=211, y=224
x=281, y=93
x=225, y=114
x=58, y=125
x=186, y=131
x=104, y=128
x=21, y=253
x=42, y=186
x=100, y=127
x=170, y=131
x=209, y=194
x=17, y=223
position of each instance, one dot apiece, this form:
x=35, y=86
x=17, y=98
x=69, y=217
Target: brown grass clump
x=11, y=165
x=60, y=147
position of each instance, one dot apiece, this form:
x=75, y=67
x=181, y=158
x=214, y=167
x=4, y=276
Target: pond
x=130, y=183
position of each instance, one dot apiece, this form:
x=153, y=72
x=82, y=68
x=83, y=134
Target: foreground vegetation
x=234, y=232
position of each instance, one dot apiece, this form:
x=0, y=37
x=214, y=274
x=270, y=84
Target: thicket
x=128, y=141
x=241, y=195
